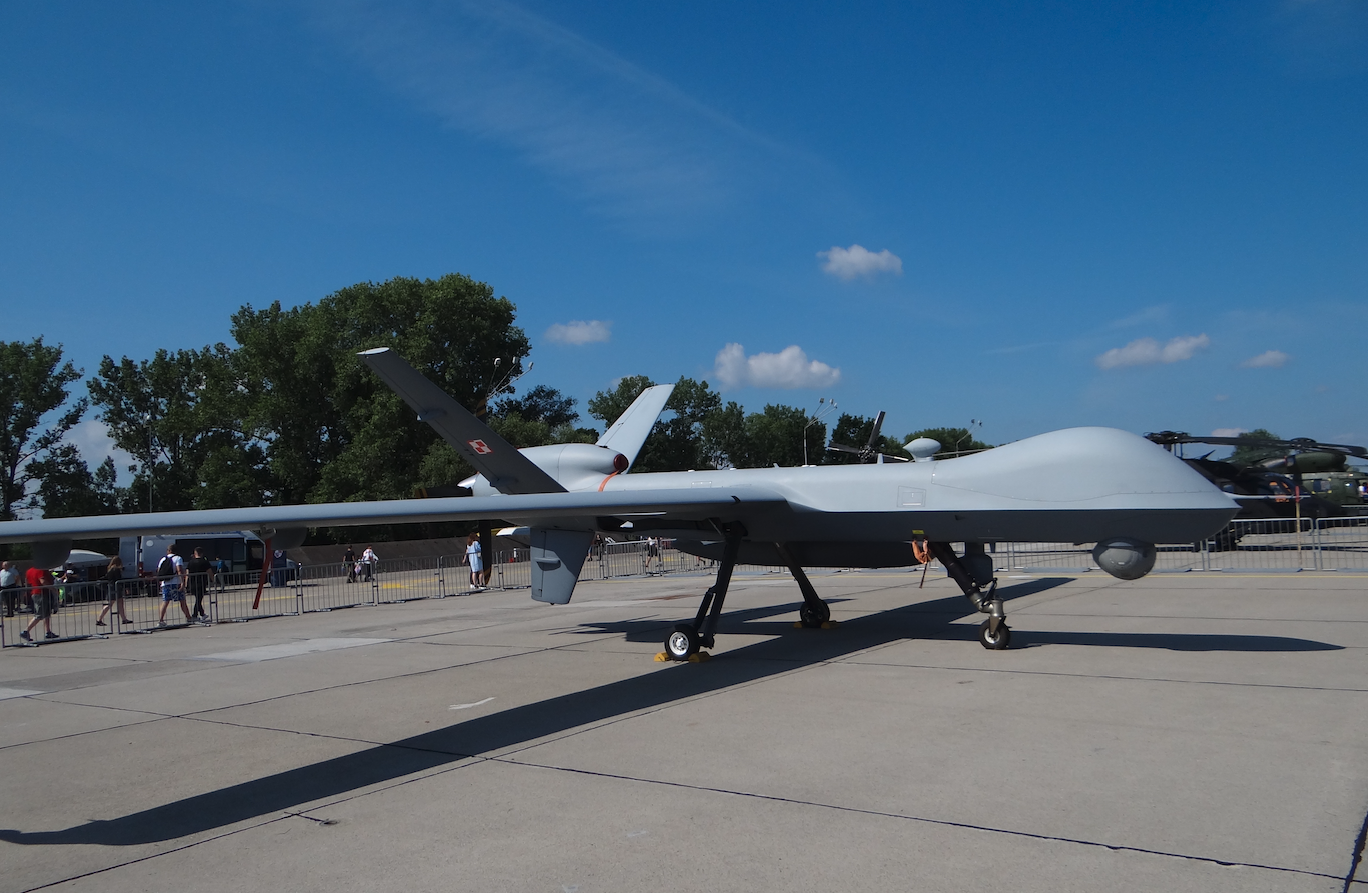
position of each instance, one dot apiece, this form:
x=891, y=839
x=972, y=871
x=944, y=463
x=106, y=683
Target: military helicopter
x=1302, y=482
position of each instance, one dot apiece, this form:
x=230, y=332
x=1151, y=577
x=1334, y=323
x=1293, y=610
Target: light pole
x=824, y=409
x=969, y=433
x=147, y=466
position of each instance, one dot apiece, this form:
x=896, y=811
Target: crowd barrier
x=1274, y=546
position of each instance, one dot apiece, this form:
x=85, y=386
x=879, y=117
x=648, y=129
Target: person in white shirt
x=368, y=562
x=171, y=571
x=476, y=561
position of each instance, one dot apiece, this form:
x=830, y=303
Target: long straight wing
x=506, y=469
x=541, y=507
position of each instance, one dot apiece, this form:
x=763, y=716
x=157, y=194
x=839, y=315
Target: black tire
x=681, y=642
x=813, y=616
x=998, y=642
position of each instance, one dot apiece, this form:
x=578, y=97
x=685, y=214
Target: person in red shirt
x=43, y=591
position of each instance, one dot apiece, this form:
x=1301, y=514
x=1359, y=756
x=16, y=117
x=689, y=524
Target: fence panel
x=1273, y=545
x=1342, y=544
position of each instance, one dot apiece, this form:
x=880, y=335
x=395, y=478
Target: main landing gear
x=685, y=639
x=813, y=613
x=993, y=634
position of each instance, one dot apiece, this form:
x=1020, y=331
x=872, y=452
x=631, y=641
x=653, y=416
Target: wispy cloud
x=1228, y=432
x=1020, y=348
x=1147, y=352
x=616, y=135
x=790, y=368
x=1269, y=359
x=580, y=331
x=1157, y=313
x=850, y=263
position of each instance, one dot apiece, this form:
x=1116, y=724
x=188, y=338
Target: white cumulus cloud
x=789, y=368
x=1269, y=359
x=848, y=263
x=1228, y=432
x=1147, y=352
x=580, y=331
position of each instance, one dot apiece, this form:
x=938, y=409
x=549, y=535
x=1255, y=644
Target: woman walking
x=113, y=592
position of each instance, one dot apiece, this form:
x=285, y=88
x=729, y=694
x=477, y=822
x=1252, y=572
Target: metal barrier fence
x=84, y=610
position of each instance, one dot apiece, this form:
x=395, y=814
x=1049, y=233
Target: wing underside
x=534, y=509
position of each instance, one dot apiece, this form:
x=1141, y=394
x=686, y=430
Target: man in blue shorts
x=172, y=573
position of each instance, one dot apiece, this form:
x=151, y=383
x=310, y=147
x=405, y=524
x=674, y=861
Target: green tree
x=606, y=406
x=724, y=437
x=66, y=487
x=180, y=415
x=762, y=439
x=33, y=395
x=775, y=437
x=543, y=415
x=1252, y=453
x=541, y=404
x=334, y=431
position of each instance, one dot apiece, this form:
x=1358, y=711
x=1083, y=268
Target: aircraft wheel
x=813, y=616
x=681, y=642
x=998, y=642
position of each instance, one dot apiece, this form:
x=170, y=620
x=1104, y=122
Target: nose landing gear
x=993, y=634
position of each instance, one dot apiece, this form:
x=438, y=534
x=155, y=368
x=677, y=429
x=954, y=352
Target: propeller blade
x=874, y=432
x=842, y=448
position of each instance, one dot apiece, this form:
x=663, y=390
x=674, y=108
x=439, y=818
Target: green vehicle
x=1347, y=489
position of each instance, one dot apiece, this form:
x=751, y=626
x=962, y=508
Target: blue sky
x=1145, y=215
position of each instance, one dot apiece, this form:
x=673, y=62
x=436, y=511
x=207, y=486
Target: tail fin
x=631, y=429
x=508, y=470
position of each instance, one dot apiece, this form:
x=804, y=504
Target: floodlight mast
x=824, y=409
x=969, y=433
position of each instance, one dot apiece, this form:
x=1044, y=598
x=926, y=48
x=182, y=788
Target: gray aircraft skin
x=1079, y=485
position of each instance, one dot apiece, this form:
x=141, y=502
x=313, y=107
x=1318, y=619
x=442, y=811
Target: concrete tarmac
x=1202, y=732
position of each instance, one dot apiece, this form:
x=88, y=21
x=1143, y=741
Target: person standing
x=475, y=560
x=114, y=596
x=349, y=558
x=9, y=588
x=652, y=552
x=43, y=593
x=368, y=562
x=171, y=572
x=197, y=576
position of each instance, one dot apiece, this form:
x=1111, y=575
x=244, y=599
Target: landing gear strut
x=993, y=634
x=686, y=638
x=814, y=612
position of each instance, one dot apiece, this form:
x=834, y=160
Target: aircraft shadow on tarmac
x=288, y=791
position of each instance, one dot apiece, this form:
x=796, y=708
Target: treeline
x=288, y=414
